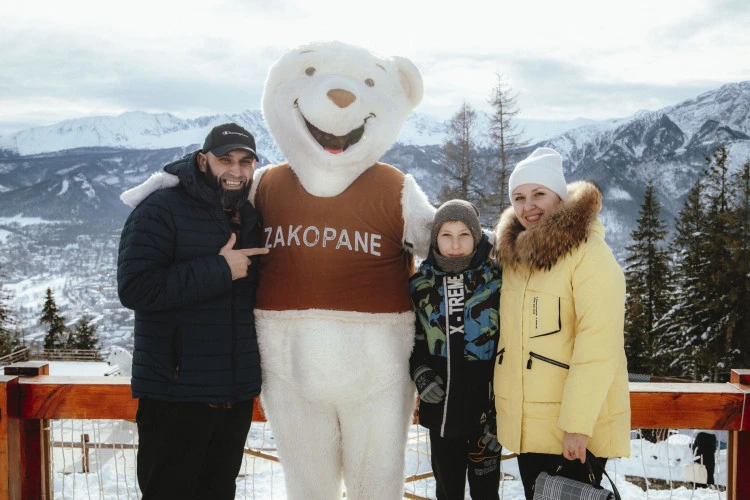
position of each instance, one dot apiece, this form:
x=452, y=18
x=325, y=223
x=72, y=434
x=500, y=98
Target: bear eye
x=369, y=82
x=310, y=71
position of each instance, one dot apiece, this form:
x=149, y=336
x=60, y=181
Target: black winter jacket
x=194, y=327
x=465, y=358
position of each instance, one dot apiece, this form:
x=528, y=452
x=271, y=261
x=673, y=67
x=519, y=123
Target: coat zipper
x=447, y=358
x=545, y=359
x=224, y=223
x=499, y=356
x=233, y=361
x=177, y=353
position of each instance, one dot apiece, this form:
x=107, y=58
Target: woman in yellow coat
x=561, y=382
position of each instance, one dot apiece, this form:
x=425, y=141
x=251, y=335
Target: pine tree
x=506, y=139
x=681, y=328
x=9, y=335
x=741, y=264
x=57, y=334
x=647, y=275
x=708, y=304
x=720, y=351
x=83, y=335
x=463, y=172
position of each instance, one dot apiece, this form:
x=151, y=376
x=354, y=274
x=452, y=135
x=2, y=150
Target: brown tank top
x=339, y=253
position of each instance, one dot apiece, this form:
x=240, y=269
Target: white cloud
x=566, y=59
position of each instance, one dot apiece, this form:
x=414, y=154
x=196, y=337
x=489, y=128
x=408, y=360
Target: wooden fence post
x=738, y=448
x=34, y=441
x=85, y=454
x=10, y=443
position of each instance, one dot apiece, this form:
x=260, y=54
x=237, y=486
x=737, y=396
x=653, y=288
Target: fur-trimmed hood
x=558, y=233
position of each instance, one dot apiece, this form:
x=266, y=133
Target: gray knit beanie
x=455, y=210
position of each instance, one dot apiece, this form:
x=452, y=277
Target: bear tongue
x=333, y=151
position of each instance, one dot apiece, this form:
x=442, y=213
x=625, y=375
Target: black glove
x=429, y=385
x=490, y=438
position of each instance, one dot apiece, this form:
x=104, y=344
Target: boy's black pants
x=190, y=450
x=530, y=465
x=455, y=459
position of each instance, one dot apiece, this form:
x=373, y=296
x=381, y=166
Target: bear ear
x=411, y=80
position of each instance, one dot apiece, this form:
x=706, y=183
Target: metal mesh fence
x=96, y=459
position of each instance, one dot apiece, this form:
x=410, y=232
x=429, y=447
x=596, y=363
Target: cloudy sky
x=579, y=58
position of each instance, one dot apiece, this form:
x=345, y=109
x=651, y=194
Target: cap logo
x=227, y=132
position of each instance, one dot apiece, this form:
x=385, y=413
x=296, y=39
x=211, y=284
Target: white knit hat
x=543, y=166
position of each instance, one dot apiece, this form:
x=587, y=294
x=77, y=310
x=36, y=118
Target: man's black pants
x=190, y=450
x=705, y=447
x=455, y=459
x=532, y=464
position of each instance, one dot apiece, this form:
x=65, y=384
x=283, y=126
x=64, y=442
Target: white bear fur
x=158, y=180
x=336, y=385
x=122, y=359
x=291, y=95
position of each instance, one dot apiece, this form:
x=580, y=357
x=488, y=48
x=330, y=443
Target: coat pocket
x=546, y=379
x=545, y=315
x=533, y=355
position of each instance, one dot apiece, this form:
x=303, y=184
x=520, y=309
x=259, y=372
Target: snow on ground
x=21, y=221
x=81, y=368
x=112, y=458
x=112, y=471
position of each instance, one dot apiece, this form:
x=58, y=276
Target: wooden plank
x=55, y=397
x=51, y=397
x=738, y=466
x=738, y=452
x=740, y=377
x=27, y=368
x=686, y=406
x=33, y=437
x=696, y=406
x=10, y=443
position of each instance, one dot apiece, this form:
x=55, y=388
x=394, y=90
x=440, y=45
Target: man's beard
x=230, y=200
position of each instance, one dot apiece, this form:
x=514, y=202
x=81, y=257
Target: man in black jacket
x=187, y=265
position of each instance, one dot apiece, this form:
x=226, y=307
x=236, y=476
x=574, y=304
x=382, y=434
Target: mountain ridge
x=60, y=213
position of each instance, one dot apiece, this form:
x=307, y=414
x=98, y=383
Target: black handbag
x=555, y=487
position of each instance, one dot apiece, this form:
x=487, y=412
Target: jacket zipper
x=545, y=359
x=499, y=356
x=177, y=353
x=224, y=223
x=233, y=394
x=447, y=358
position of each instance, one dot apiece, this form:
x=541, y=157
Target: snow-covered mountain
x=133, y=130
x=60, y=215
x=668, y=146
x=140, y=130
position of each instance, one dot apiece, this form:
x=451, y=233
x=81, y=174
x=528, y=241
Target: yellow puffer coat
x=561, y=357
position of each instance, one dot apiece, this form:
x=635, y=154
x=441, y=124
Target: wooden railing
x=21, y=354
x=69, y=355
x=29, y=397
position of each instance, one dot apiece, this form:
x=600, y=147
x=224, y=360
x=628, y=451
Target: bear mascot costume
x=333, y=311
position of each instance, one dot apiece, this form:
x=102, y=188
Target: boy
x=456, y=294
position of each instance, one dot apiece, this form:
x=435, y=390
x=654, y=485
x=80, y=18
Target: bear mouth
x=336, y=143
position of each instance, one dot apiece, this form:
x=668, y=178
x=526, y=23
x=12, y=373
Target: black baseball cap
x=227, y=137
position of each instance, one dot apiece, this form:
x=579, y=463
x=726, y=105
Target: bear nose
x=341, y=98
